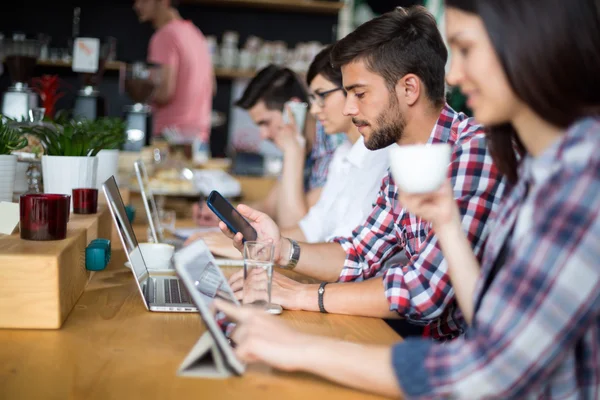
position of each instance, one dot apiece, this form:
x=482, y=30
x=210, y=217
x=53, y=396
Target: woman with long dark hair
x=530, y=72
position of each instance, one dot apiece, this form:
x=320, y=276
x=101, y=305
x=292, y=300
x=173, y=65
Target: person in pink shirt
x=183, y=100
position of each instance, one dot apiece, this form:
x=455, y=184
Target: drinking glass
x=165, y=224
x=258, y=274
x=167, y=220
x=36, y=114
x=85, y=201
x=44, y=216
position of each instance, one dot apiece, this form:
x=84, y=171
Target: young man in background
x=305, y=166
x=183, y=99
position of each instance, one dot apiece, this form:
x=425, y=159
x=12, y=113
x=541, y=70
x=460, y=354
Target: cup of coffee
x=85, y=201
x=44, y=216
x=420, y=168
x=157, y=256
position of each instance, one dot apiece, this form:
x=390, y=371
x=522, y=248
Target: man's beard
x=390, y=123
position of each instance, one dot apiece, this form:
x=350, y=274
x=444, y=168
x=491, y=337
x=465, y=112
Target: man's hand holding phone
x=266, y=229
x=290, y=137
x=245, y=223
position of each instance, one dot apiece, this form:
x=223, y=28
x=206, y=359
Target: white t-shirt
x=353, y=182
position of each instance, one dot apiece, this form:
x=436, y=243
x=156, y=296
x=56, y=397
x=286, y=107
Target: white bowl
x=420, y=168
x=157, y=256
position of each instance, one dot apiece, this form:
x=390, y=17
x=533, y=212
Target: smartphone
x=230, y=216
x=299, y=110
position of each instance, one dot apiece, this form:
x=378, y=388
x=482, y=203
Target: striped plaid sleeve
x=374, y=241
x=537, y=327
x=224, y=324
x=421, y=289
x=322, y=154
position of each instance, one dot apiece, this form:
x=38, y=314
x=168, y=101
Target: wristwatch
x=321, y=292
x=294, y=254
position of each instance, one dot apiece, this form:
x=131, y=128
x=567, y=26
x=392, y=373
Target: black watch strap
x=321, y=293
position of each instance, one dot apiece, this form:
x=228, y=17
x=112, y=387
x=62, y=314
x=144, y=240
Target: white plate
x=223, y=262
x=128, y=265
x=226, y=262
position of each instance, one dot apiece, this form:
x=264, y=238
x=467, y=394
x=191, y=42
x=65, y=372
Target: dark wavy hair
x=402, y=41
x=275, y=86
x=321, y=65
x=550, y=53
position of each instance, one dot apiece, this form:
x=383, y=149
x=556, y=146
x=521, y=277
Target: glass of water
x=258, y=274
x=167, y=219
x=164, y=225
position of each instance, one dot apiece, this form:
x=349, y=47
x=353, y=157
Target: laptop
x=150, y=207
x=205, y=281
x=154, y=221
x=161, y=291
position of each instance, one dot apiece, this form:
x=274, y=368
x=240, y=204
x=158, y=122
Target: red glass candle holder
x=44, y=216
x=85, y=201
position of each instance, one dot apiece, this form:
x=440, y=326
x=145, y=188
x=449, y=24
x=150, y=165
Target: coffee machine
x=89, y=103
x=139, y=80
x=20, y=56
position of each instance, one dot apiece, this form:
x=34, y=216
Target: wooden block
x=97, y=225
x=42, y=281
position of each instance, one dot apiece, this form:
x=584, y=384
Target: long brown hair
x=550, y=53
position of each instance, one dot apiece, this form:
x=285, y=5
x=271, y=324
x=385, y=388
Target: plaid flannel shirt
x=420, y=289
x=316, y=166
x=536, y=330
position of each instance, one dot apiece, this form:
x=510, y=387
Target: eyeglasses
x=318, y=98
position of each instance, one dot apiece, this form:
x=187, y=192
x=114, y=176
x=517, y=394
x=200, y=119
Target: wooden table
x=110, y=347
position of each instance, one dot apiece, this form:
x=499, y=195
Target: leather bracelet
x=321, y=292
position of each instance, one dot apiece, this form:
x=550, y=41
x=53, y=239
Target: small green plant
x=61, y=117
x=11, y=139
x=112, y=130
x=76, y=138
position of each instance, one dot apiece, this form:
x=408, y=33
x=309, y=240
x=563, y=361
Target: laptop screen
x=149, y=201
x=130, y=243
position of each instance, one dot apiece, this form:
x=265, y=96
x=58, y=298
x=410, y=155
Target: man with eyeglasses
x=306, y=164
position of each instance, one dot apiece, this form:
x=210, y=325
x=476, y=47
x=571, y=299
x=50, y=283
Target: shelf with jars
x=235, y=61
x=221, y=73
x=109, y=66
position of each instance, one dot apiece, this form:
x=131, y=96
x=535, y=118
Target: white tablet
x=205, y=281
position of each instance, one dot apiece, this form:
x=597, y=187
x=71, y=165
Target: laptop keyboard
x=174, y=293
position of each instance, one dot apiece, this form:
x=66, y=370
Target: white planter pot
x=108, y=165
x=8, y=168
x=63, y=174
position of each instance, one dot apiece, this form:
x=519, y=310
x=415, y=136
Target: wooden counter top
x=110, y=347
x=42, y=280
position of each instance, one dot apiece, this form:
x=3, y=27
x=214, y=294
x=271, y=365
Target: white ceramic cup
x=157, y=256
x=420, y=168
